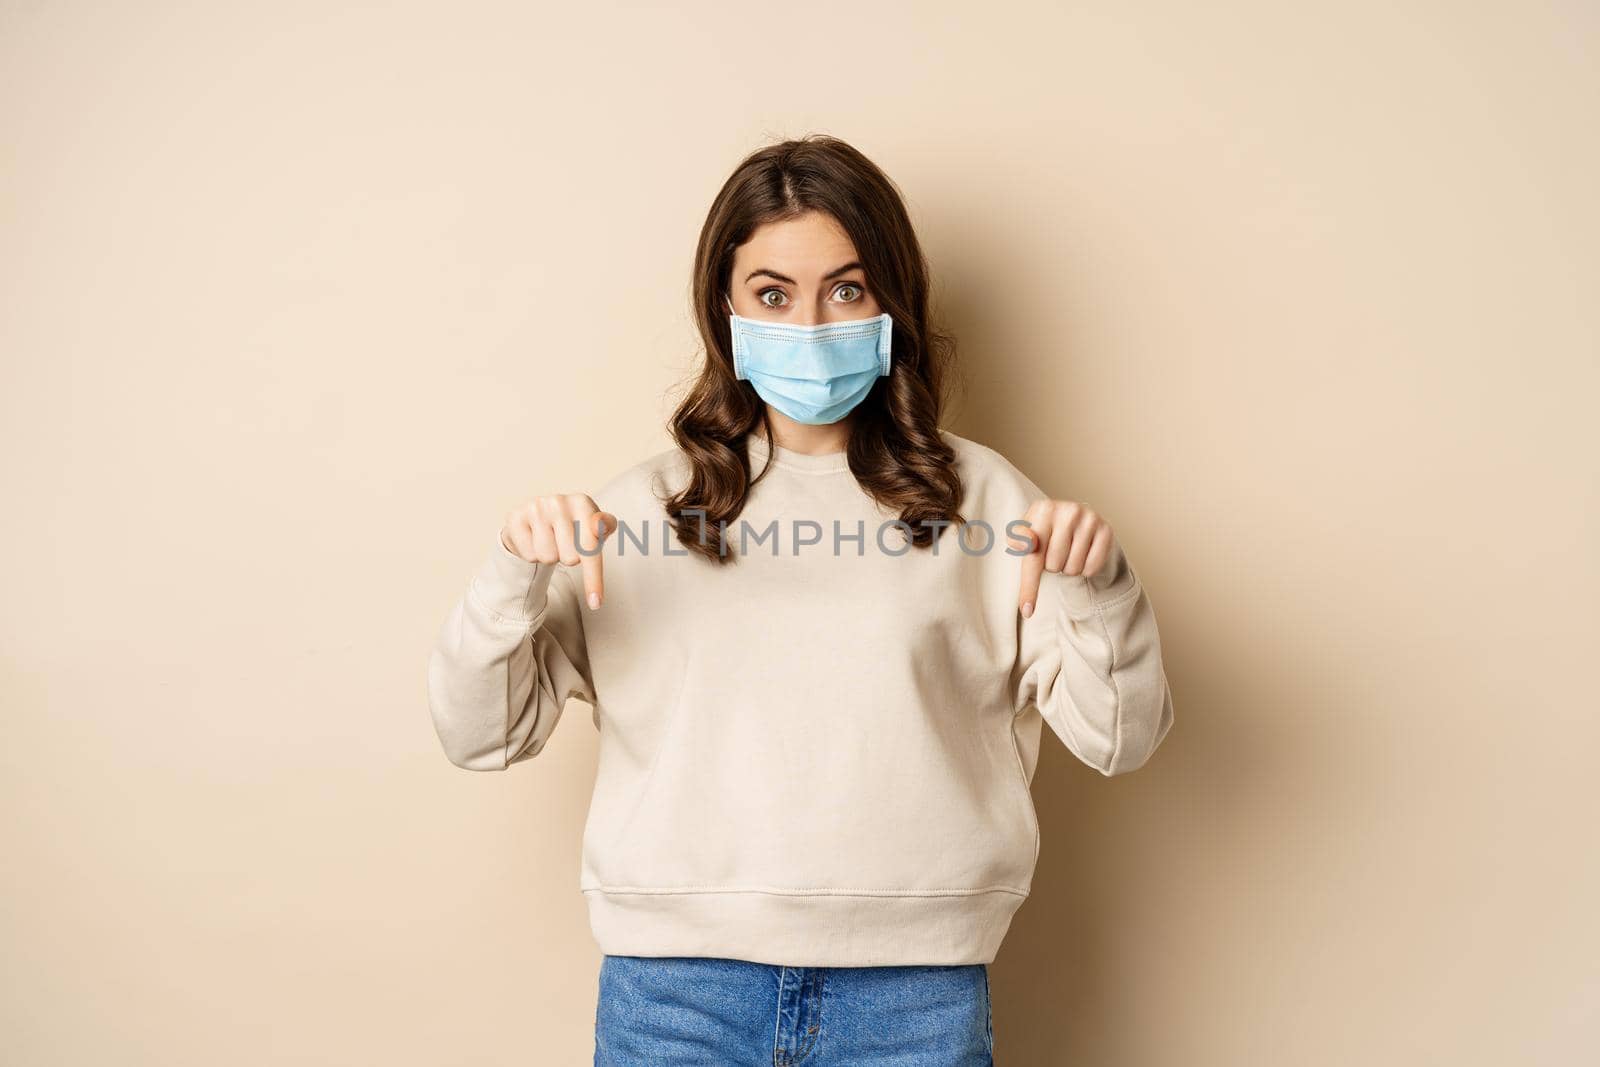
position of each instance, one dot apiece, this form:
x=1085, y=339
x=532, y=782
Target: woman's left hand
x=1063, y=537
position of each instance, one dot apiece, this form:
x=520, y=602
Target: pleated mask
x=813, y=374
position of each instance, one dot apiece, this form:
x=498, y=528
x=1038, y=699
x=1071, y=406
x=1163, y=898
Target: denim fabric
x=678, y=1011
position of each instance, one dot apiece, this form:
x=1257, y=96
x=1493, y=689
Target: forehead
x=813, y=244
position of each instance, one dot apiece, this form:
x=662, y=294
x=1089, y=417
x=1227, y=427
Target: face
x=801, y=271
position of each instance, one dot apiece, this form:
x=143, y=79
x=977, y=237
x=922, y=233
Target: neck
x=807, y=439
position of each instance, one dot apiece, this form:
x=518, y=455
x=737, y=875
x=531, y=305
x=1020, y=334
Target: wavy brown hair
x=895, y=451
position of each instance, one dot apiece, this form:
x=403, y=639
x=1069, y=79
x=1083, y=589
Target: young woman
x=820, y=636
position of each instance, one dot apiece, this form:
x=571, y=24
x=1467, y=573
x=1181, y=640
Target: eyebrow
x=834, y=273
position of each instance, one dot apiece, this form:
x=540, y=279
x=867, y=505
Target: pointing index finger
x=597, y=525
x=1032, y=569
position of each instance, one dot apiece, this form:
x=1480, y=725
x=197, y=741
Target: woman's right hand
x=551, y=529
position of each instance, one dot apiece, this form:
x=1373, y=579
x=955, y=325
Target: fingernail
x=1027, y=610
x=594, y=601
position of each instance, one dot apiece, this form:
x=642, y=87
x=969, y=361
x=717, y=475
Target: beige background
x=297, y=299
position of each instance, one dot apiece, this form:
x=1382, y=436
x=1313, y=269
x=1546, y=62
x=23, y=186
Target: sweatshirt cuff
x=510, y=586
x=1112, y=584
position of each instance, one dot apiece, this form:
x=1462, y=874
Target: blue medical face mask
x=813, y=374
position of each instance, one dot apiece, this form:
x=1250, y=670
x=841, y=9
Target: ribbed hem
x=804, y=930
x=1114, y=584
x=511, y=587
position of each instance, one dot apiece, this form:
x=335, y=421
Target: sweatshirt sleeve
x=1090, y=659
x=505, y=661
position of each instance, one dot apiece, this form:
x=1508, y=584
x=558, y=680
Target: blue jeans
x=678, y=1011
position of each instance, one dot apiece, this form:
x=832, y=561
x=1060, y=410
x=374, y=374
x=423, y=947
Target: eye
x=762, y=296
x=851, y=285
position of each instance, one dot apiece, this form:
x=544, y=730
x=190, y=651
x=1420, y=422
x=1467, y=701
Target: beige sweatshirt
x=820, y=754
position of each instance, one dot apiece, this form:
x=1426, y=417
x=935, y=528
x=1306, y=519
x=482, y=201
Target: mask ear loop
x=885, y=339
x=733, y=336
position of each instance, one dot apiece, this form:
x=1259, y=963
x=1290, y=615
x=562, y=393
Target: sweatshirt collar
x=819, y=463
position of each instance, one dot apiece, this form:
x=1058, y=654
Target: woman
x=820, y=636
